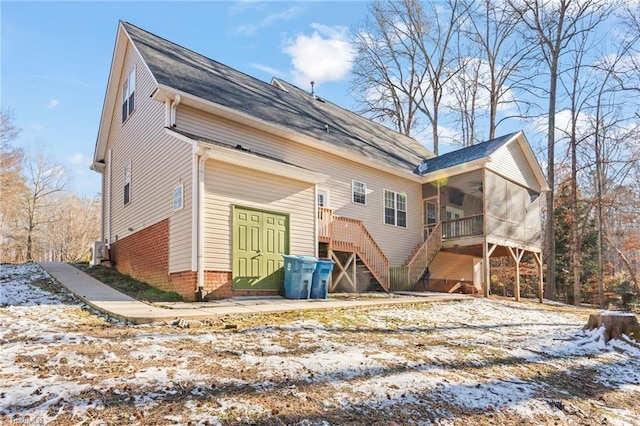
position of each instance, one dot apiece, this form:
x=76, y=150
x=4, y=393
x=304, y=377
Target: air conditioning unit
x=97, y=253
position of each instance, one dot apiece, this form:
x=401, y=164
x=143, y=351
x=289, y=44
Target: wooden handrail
x=351, y=235
x=325, y=219
x=463, y=227
x=418, y=263
x=405, y=277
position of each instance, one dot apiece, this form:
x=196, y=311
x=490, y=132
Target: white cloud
x=266, y=69
x=249, y=29
x=52, y=104
x=325, y=55
x=79, y=158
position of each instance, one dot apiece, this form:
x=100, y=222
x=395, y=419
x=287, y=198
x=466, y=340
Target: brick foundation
x=145, y=256
x=217, y=285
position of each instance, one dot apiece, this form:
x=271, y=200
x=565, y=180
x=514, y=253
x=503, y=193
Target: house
x=210, y=175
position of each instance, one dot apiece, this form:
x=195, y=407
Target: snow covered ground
x=473, y=362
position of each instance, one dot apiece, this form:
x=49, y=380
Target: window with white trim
x=359, y=192
x=323, y=198
x=395, y=208
x=127, y=183
x=178, y=198
x=128, y=95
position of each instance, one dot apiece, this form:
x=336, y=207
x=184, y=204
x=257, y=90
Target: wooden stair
x=345, y=234
x=406, y=276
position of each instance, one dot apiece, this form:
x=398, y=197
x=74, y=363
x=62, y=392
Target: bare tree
x=492, y=28
x=614, y=158
x=551, y=25
x=73, y=226
x=44, y=179
x=579, y=84
x=385, y=73
x=404, y=60
x=11, y=182
x=466, y=102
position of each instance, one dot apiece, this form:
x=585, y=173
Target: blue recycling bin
x=320, y=280
x=298, y=273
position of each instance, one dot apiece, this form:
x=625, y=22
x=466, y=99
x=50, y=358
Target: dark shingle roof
x=182, y=69
x=464, y=155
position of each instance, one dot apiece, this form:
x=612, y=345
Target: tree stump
x=615, y=324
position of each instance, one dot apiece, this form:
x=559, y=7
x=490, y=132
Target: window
x=127, y=183
x=431, y=215
x=359, y=190
x=395, y=208
x=453, y=213
x=177, y=198
x=128, y=95
x=323, y=198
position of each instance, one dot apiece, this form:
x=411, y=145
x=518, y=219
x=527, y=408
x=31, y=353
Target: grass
x=128, y=285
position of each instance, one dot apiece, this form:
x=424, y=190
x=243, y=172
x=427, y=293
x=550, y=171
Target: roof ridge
x=183, y=69
x=201, y=55
x=375, y=123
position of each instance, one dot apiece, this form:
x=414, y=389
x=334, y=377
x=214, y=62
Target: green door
x=259, y=240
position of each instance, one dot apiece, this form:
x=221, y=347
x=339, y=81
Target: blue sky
x=56, y=58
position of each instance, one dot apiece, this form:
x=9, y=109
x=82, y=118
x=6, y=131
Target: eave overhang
x=251, y=160
x=165, y=92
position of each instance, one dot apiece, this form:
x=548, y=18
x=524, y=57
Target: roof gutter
x=458, y=169
x=165, y=92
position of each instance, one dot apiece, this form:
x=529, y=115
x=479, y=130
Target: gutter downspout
x=109, y=170
x=203, y=158
x=174, y=107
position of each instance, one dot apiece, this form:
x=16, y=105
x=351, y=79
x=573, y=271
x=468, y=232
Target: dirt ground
x=474, y=362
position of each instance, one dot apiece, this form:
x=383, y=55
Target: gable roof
x=464, y=155
x=480, y=155
x=281, y=104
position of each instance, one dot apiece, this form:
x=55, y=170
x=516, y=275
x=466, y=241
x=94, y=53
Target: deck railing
x=406, y=276
x=464, y=227
x=350, y=235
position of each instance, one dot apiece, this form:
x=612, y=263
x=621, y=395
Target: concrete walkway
x=118, y=305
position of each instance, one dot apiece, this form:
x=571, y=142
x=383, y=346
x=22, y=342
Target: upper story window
x=395, y=208
x=178, y=198
x=127, y=183
x=128, y=95
x=359, y=192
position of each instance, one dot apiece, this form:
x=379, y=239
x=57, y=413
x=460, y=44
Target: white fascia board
x=119, y=50
x=522, y=142
x=166, y=92
x=265, y=165
x=458, y=169
x=533, y=161
x=113, y=90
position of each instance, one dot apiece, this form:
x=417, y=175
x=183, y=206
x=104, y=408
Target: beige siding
x=396, y=242
x=511, y=162
x=159, y=163
x=227, y=185
x=452, y=267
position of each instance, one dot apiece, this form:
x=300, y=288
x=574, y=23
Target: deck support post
x=486, y=254
x=538, y=259
x=516, y=255
x=350, y=263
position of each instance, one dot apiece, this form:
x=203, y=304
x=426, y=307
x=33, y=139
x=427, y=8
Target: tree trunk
x=625, y=260
x=550, y=289
x=575, y=238
x=615, y=325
